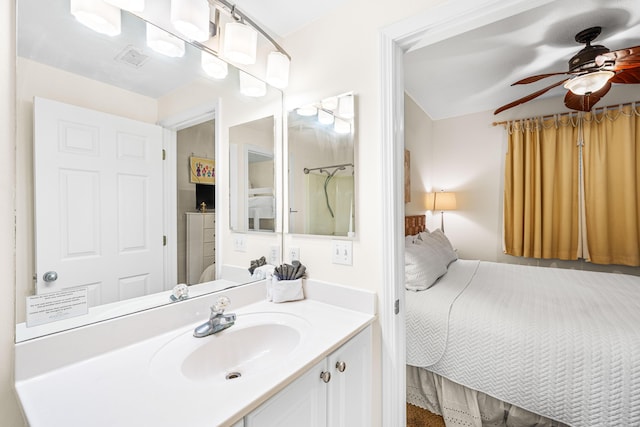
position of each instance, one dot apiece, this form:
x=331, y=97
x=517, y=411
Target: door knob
x=50, y=276
x=341, y=366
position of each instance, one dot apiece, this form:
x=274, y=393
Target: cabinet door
x=302, y=404
x=350, y=394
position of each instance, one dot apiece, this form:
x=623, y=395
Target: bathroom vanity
x=298, y=363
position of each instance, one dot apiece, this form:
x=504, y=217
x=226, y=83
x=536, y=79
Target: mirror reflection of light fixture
x=441, y=201
x=213, y=66
x=164, y=43
x=345, y=106
x=191, y=18
x=251, y=86
x=101, y=17
x=341, y=126
x=588, y=83
x=325, y=117
x=240, y=43
x=307, y=111
x=330, y=103
x=278, y=70
x=130, y=5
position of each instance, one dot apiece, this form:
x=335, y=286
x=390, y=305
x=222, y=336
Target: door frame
x=435, y=24
x=172, y=124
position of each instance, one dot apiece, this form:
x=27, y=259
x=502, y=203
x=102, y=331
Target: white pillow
x=422, y=267
x=440, y=241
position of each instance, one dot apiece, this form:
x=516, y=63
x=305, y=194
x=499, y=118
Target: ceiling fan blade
x=630, y=76
x=532, y=79
x=585, y=102
x=624, y=58
x=528, y=97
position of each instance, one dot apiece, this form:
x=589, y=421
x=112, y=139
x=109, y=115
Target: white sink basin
x=257, y=343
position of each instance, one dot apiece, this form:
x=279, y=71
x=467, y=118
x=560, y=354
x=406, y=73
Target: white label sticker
x=54, y=306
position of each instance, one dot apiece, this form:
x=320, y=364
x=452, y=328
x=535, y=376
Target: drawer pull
x=325, y=376
x=341, y=366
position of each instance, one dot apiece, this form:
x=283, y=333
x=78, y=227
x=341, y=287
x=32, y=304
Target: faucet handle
x=220, y=305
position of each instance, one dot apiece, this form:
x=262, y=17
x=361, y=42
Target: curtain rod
x=549, y=116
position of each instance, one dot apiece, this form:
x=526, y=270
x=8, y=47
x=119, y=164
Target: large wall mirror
x=98, y=209
x=321, y=189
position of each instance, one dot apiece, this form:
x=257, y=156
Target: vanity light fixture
x=588, y=83
x=164, y=43
x=130, y=5
x=191, y=18
x=251, y=86
x=240, y=43
x=213, y=66
x=278, y=70
x=98, y=15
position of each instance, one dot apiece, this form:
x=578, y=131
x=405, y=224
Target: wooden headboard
x=414, y=224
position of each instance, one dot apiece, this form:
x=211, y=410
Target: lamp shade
x=240, y=43
x=588, y=83
x=278, y=70
x=131, y=5
x=444, y=201
x=251, y=86
x=162, y=42
x=213, y=66
x=98, y=15
x=191, y=18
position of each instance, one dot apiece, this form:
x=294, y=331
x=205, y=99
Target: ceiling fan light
x=191, y=18
x=278, y=70
x=240, y=43
x=162, y=42
x=130, y=5
x=213, y=66
x=251, y=86
x=101, y=17
x=587, y=83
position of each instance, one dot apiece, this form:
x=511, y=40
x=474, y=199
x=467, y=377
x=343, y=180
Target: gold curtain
x=612, y=185
x=541, y=211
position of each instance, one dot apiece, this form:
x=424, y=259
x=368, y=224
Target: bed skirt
x=463, y=407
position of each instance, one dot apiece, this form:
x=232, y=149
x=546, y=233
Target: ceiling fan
x=592, y=72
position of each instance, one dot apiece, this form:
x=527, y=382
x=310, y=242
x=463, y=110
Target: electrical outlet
x=294, y=254
x=274, y=255
x=342, y=252
x=240, y=242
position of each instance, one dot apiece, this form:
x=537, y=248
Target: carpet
x=418, y=417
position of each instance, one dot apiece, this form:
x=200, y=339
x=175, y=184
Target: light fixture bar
x=238, y=15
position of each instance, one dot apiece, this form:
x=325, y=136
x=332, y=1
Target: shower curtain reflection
x=329, y=201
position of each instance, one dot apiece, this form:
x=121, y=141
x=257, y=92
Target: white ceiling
x=464, y=74
x=473, y=72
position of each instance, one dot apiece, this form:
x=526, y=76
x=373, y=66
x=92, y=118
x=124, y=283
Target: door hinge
x=397, y=306
x=164, y=240
x=164, y=154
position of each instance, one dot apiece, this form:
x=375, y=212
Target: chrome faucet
x=218, y=321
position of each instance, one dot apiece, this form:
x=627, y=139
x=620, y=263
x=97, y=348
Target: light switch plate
x=240, y=242
x=342, y=252
x=294, y=254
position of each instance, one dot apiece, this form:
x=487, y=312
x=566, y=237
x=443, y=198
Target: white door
x=98, y=202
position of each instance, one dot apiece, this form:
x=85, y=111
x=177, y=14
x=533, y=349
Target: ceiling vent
x=132, y=56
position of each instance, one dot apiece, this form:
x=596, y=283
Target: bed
x=506, y=344
x=261, y=205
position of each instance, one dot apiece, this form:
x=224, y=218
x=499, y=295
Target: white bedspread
x=561, y=343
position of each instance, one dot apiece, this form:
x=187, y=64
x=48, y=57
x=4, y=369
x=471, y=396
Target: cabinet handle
x=326, y=376
x=341, y=366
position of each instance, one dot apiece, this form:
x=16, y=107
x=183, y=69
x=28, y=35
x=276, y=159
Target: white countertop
x=117, y=388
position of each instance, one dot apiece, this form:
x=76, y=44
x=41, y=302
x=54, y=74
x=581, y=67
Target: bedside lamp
x=441, y=201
